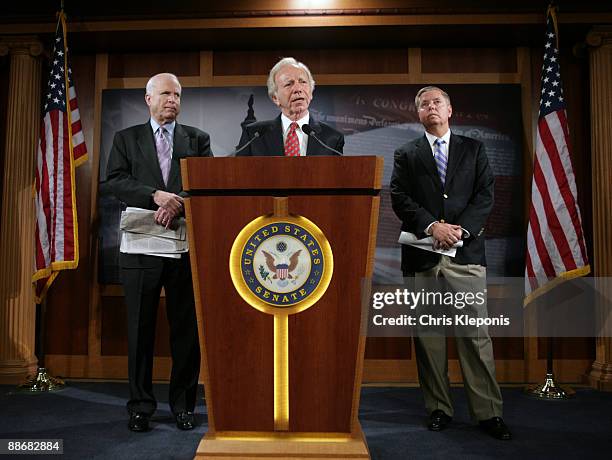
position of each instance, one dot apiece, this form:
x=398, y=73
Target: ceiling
x=264, y=24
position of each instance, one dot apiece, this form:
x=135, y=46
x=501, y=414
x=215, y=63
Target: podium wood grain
x=340, y=195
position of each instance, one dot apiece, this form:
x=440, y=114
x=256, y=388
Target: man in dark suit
x=442, y=186
x=144, y=171
x=290, y=86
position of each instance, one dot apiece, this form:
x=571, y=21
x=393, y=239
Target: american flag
x=556, y=250
x=61, y=148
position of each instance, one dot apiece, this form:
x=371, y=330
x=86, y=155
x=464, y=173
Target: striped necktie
x=164, y=152
x=441, y=159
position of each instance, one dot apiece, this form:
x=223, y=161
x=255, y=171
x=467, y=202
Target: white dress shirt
x=302, y=138
x=444, y=147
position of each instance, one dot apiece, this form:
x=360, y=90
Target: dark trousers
x=142, y=288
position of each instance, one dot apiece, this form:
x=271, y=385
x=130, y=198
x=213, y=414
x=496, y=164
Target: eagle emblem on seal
x=281, y=263
x=282, y=270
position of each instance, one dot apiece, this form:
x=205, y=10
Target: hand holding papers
x=427, y=244
x=141, y=235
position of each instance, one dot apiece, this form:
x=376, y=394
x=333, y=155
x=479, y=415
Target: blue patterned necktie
x=441, y=159
x=163, y=152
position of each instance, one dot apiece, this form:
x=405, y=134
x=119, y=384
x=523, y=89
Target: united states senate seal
x=281, y=264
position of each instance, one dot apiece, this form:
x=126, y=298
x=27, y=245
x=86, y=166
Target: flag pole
x=543, y=267
x=43, y=381
x=549, y=389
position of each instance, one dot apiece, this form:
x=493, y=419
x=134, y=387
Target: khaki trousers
x=475, y=352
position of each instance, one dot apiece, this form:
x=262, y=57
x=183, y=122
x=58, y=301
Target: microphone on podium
x=307, y=129
x=258, y=133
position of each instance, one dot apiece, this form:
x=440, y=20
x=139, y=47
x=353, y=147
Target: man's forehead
x=167, y=83
x=433, y=94
x=289, y=71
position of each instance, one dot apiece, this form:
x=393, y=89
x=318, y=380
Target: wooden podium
x=281, y=385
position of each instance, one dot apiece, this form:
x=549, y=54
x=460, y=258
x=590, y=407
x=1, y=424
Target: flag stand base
x=42, y=383
x=549, y=390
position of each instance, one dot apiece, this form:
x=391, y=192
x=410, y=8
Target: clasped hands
x=445, y=235
x=170, y=207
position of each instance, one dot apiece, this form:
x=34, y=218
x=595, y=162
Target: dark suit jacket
x=419, y=199
x=134, y=172
x=271, y=141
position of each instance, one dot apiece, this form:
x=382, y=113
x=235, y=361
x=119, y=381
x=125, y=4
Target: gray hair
x=417, y=99
x=272, y=88
x=151, y=83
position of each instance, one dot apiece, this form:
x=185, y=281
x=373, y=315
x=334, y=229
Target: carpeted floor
x=91, y=419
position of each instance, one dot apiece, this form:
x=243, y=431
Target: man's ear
x=450, y=111
x=148, y=99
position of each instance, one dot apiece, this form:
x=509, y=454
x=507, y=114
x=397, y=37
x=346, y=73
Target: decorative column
x=599, y=39
x=17, y=307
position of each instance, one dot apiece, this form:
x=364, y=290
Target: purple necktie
x=164, y=152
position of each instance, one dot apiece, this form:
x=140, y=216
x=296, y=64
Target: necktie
x=292, y=143
x=441, y=159
x=163, y=152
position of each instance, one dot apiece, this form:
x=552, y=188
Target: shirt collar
x=431, y=138
x=168, y=126
x=286, y=122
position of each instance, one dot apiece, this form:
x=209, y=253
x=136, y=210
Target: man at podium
x=294, y=132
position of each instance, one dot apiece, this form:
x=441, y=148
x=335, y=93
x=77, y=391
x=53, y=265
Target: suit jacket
x=466, y=199
x=134, y=172
x=271, y=141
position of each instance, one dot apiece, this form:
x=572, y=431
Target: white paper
x=141, y=235
x=427, y=244
x=138, y=220
x=169, y=256
x=137, y=243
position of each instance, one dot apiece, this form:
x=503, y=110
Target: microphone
x=256, y=135
x=307, y=129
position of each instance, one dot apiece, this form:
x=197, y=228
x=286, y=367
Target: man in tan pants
x=442, y=186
